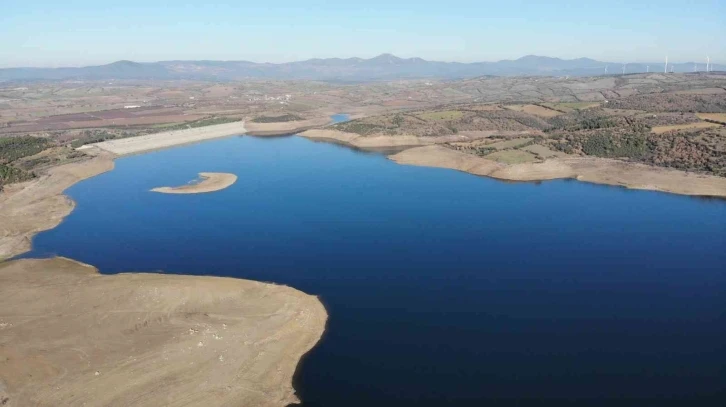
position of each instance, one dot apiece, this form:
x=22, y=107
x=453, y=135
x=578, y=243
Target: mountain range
x=382, y=67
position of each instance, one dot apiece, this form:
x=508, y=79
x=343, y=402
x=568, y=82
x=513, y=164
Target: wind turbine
x=665, y=70
x=606, y=69
x=708, y=63
x=647, y=68
x=624, y=68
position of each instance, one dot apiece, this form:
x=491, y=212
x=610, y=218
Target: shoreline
x=604, y=171
x=284, y=128
x=38, y=205
x=210, y=182
x=593, y=170
x=175, y=339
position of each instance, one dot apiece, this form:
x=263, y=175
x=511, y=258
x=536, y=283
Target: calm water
x=443, y=288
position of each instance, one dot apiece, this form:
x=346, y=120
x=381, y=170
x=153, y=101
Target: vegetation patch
x=536, y=110
x=567, y=107
x=446, y=115
x=585, y=120
x=607, y=145
x=13, y=148
x=9, y=175
x=359, y=127
x=512, y=143
x=673, y=102
x=277, y=119
x=211, y=121
x=542, y=152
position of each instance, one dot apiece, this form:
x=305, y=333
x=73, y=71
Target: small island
x=208, y=182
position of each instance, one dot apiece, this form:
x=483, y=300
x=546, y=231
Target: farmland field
x=534, y=110
x=445, y=115
x=689, y=126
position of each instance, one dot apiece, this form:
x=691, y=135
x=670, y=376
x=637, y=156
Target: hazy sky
x=82, y=32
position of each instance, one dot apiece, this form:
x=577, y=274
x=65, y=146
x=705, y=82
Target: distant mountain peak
x=382, y=67
x=536, y=58
x=389, y=58
x=124, y=62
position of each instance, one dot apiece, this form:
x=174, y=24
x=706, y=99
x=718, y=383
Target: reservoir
x=442, y=288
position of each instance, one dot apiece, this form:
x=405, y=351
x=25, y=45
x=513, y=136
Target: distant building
x=131, y=107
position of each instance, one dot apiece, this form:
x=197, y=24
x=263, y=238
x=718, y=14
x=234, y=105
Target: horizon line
x=385, y=54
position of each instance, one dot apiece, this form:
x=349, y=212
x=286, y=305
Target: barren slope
x=72, y=337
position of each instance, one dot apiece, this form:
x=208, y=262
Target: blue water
x=443, y=288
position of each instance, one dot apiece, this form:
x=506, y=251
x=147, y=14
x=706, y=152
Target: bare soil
x=210, y=182
x=70, y=336
x=589, y=169
x=30, y=207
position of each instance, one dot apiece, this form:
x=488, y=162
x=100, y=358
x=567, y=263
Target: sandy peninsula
x=209, y=182
x=70, y=336
x=588, y=169
x=156, y=141
x=284, y=128
x=34, y=206
x=374, y=141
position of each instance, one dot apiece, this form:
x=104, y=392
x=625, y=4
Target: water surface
x=443, y=288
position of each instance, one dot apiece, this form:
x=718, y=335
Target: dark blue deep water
x=443, y=288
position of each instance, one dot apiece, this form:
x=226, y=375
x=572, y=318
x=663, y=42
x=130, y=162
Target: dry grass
x=534, y=110
x=570, y=106
x=513, y=143
x=512, y=157
x=484, y=108
x=446, y=115
x=689, y=126
x=717, y=117
x=543, y=151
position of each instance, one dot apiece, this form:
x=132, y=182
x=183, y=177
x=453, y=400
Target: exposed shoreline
x=424, y=151
x=254, y=367
x=152, y=339
x=210, y=182
x=587, y=169
x=34, y=206
x=284, y=128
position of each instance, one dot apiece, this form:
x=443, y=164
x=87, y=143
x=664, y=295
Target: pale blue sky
x=82, y=32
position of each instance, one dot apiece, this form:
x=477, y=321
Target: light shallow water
x=443, y=288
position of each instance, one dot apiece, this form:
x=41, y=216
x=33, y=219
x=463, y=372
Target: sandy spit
x=34, y=206
x=373, y=141
x=133, y=145
x=210, y=182
x=284, y=128
x=382, y=141
x=588, y=169
x=72, y=337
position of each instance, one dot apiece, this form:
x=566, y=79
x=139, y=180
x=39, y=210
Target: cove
x=442, y=288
